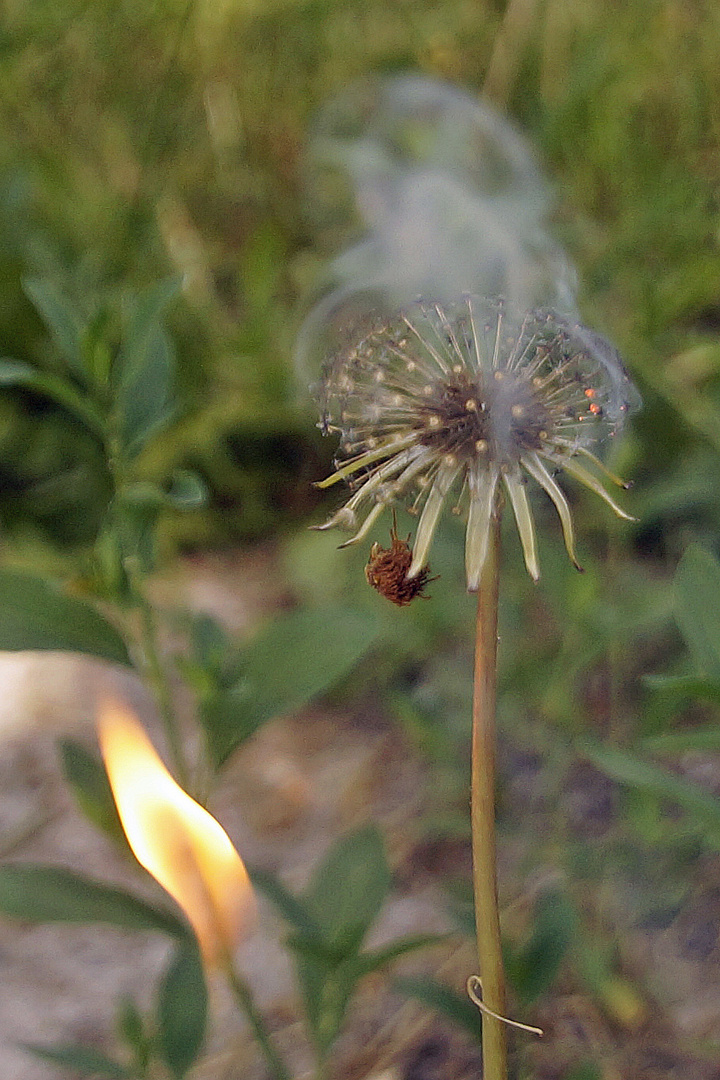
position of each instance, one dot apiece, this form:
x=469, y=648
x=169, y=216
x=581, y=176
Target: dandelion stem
x=487, y=919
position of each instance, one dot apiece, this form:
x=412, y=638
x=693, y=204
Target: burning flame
x=177, y=841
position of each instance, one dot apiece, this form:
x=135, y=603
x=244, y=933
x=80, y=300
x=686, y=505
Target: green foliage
x=348, y=889
x=628, y=768
x=339, y=906
x=126, y=378
x=82, y=1060
x=182, y=1010
x=675, y=688
x=146, y=364
x=695, y=738
x=436, y=995
x=697, y=600
x=35, y=614
x=294, y=659
x=331, y=921
x=127, y=374
x=88, y=781
x=55, y=387
x=290, y=907
x=65, y=322
x=132, y=1030
x=53, y=894
x=533, y=969
x=181, y=1021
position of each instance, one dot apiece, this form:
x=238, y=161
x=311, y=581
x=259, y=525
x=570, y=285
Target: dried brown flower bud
x=387, y=572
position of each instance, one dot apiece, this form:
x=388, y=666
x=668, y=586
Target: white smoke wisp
x=432, y=194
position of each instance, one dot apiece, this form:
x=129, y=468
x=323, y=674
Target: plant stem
x=241, y=990
x=487, y=919
x=154, y=670
x=157, y=677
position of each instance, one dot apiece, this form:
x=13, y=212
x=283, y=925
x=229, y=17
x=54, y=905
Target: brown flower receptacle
x=387, y=572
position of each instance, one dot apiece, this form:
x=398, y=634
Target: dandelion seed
x=476, y=397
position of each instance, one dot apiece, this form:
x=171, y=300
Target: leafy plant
x=697, y=602
x=330, y=922
x=122, y=389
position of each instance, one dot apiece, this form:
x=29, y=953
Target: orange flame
x=177, y=841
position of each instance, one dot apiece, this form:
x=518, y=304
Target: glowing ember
x=184, y=848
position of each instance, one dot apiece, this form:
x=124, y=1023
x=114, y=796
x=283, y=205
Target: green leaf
x=326, y=989
x=380, y=958
x=182, y=1010
x=143, y=316
x=296, y=658
x=187, y=491
x=210, y=642
x=456, y=1007
x=315, y=948
x=62, y=391
x=697, y=607
x=34, y=614
x=42, y=894
x=145, y=369
x=288, y=905
x=678, y=742
x=65, y=322
x=348, y=890
x=684, y=686
x=587, y=1071
x=86, y=776
x=131, y=1029
x=80, y=1059
x=145, y=404
x=533, y=970
x=344, y=896
x=629, y=769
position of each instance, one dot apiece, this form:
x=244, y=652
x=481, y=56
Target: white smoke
x=433, y=195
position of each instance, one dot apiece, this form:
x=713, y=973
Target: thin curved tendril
x=475, y=981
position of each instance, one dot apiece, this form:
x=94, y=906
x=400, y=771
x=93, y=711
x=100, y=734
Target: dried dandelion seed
x=471, y=397
x=387, y=571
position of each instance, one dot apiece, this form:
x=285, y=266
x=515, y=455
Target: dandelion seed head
x=470, y=395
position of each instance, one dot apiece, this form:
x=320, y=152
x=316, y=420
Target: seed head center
x=466, y=415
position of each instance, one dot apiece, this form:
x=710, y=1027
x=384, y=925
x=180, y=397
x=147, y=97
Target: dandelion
x=469, y=401
x=472, y=399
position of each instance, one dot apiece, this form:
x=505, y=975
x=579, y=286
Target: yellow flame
x=177, y=841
